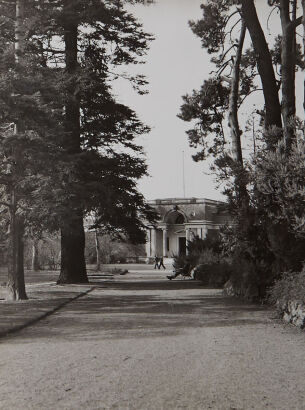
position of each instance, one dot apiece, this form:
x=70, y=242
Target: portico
x=180, y=220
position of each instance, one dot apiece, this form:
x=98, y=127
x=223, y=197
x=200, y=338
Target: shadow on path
x=128, y=309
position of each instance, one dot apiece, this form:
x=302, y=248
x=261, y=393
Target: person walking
x=156, y=262
x=161, y=263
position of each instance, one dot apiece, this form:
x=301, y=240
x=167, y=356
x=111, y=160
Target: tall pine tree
x=25, y=139
x=86, y=41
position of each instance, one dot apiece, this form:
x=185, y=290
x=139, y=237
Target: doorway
x=182, y=246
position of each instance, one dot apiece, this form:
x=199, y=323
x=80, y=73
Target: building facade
x=181, y=220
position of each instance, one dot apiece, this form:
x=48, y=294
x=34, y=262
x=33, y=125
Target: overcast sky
x=176, y=64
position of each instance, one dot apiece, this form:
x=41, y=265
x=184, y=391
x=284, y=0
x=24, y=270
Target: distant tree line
x=45, y=253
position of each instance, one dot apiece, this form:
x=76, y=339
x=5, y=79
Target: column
x=187, y=237
x=187, y=234
x=204, y=232
x=153, y=242
x=164, y=242
x=148, y=243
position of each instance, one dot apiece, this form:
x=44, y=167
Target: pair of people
x=159, y=263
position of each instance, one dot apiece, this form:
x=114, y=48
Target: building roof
x=192, y=209
x=183, y=201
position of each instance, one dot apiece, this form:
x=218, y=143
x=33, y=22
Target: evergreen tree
x=104, y=162
x=24, y=135
x=82, y=157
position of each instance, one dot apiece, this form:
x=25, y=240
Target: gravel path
x=141, y=342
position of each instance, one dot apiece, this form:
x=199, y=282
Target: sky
x=175, y=65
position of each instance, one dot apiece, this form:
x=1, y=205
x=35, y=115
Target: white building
x=180, y=220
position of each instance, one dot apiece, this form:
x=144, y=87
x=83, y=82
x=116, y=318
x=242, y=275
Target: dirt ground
x=44, y=276
x=142, y=342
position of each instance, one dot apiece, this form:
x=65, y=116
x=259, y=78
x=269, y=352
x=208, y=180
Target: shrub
x=179, y=261
x=205, y=255
x=291, y=287
x=201, y=251
x=267, y=236
x=244, y=281
x=213, y=274
x=209, y=257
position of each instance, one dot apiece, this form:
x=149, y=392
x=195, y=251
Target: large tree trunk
x=240, y=183
x=20, y=258
x=16, y=283
x=264, y=64
x=73, y=266
x=303, y=22
x=288, y=72
x=19, y=35
x=233, y=101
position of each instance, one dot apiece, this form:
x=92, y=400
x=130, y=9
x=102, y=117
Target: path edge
x=30, y=322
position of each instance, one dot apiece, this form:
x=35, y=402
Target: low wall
x=293, y=312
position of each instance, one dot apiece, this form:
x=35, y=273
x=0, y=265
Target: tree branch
x=232, y=28
x=295, y=23
x=230, y=16
x=226, y=78
x=223, y=56
x=274, y=8
x=247, y=95
x=223, y=67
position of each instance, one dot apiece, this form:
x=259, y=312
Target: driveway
x=142, y=342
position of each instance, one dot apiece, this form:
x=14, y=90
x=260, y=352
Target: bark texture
x=240, y=183
x=20, y=258
x=233, y=101
x=73, y=266
x=19, y=36
x=16, y=283
x=264, y=64
x=288, y=72
x=303, y=22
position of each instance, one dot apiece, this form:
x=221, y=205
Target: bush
x=179, y=261
x=244, y=281
x=267, y=236
x=209, y=257
x=200, y=251
x=205, y=255
x=214, y=274
x=291, y=287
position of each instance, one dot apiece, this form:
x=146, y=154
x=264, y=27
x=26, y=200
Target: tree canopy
x=57, y=66
x=263, y=187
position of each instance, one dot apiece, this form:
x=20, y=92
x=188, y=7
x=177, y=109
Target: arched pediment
x=175, y=217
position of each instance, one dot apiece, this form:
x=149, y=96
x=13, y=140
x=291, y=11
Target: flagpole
x=183, y=175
